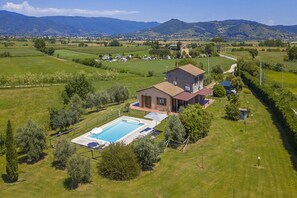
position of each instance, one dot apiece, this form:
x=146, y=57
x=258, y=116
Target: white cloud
x=270, y=22
x=26, y=8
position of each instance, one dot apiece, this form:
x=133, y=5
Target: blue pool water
x=116, y=131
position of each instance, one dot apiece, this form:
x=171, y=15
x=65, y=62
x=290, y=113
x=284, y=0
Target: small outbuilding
x=243, y=113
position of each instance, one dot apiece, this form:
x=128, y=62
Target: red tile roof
x=191, y=69
x=186, y=96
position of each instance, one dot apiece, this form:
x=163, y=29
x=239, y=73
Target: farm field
x=270, y=57
x=228, y=156
x=289, y=79
x=39, y=64
x=20, y=52
x=140, y=50
x=69, y=54
x=161, y=66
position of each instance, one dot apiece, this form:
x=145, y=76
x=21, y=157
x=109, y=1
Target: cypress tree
x=11, y=155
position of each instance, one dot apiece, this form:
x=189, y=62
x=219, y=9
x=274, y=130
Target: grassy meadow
x=289, y=79
x=222, y=165
x=270, y=57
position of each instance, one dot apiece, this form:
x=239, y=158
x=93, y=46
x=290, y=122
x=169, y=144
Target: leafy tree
x=79, y=169
x=292, y=53
x=11, y=155
x=63, y=118
x=219, y=91
x=119, y=162
x=31, y=139
x=89, y=102
x=210, y=50
x=118, y=93
x=114, y=43
x=179, y=44
x=186, y=61
x=63, y=150
x=175, y=130
x=232, y=109
x=147, y=152
x=237, y=83
x=79, y=85
x=39, y=43
x=76, y=104
x=253, y=52
x=196, y=121
x=217, y=73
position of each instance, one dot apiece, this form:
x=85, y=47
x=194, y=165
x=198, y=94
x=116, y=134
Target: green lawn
x=229, y=159
x=270, y=57
x=40, y=64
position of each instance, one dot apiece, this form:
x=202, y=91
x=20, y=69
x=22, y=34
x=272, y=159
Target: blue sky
x=270, y=12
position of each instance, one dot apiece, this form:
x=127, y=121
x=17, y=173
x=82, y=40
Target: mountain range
x=21, y=25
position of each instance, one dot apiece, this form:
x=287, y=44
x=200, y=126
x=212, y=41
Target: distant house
x=184, y=86
x=105, y=57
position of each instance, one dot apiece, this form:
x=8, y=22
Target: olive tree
x=31, y=139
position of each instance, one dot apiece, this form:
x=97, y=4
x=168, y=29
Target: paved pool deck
x=84, y=140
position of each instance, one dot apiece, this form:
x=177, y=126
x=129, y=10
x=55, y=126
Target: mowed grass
x=161, y=66
x=228, y=155
x=289, y=79
x=40, y=64
x=19, y=52
x=270, y=57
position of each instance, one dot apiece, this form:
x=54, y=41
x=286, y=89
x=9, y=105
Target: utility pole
x=282, y=76
x=260, y=73
x=208, y=70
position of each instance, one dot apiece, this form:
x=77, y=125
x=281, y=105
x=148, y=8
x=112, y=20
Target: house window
x=161, y=101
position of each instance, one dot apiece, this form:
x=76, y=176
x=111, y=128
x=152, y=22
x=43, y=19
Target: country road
x=232, y=68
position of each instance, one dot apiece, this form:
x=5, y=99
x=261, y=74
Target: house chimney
x=176, y=64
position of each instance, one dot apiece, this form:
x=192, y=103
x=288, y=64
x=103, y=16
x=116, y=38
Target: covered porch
x=186, y=98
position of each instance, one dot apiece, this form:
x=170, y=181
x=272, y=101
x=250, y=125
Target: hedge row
x=278, y=103
x=55, y=78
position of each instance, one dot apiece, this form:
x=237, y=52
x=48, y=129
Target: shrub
x=119, y=162
x=232, y=109
x=237, y=83
x=31, y=139
x=196, y=121
x=79, y=169
x=175, y=130
x=63, y=150
x=150, y=73
x=147, y=152
x=219, y=91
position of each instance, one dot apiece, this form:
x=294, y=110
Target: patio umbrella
x=158, y=117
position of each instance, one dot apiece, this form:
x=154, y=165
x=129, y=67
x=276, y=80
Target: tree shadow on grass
x=24, y=159
x=69, y=184
x=58, y=165
x=5, y=179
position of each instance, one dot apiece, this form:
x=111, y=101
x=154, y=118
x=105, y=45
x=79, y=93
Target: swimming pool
x=117, y=131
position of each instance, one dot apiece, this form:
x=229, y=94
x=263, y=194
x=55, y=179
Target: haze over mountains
x=21, y=25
